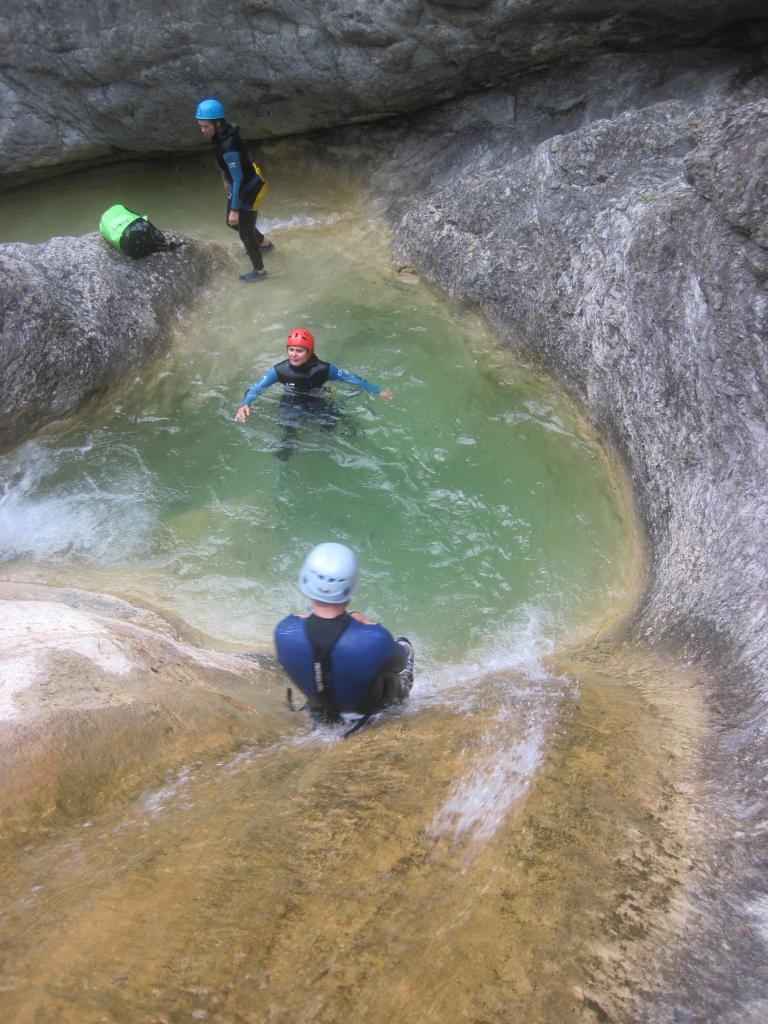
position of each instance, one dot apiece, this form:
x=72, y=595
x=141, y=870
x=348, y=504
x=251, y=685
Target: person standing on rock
x=242, y=179
x=343, y=663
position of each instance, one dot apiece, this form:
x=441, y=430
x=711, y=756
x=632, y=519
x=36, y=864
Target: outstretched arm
x=269, y=378
x=336, y=373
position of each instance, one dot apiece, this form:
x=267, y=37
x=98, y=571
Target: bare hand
x=359, y=617
x=233, y=218
x=242, y=412
x=386, y=396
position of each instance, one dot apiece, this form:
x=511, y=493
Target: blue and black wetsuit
x=305, y=398
x=342, y=665
x=245, y=187
x=306, y=380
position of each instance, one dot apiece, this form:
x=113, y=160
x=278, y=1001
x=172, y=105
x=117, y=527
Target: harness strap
x=323, y=635
x=359, y=724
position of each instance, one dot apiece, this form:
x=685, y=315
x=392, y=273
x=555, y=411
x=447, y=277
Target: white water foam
x=518, y=644
x=480, y=800
x=513, y=745
x=298, y=221
x=103, y=520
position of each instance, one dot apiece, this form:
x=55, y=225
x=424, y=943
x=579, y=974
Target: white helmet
x=329, y=574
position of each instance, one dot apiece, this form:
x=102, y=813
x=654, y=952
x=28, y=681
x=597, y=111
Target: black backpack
x=141, y=238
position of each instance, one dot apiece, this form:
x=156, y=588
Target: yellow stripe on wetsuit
x=262, y=191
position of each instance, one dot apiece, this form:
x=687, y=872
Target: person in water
x=242, y=179
x=340, y=660
x=305, y=398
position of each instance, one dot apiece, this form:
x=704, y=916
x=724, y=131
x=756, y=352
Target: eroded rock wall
x=83, y=82
x=78, y=316
x=628, y=257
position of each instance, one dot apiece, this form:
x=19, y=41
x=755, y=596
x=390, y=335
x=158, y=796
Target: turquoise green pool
x=483, y=513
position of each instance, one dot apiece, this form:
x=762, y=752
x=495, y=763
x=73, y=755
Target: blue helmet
x=209, y=110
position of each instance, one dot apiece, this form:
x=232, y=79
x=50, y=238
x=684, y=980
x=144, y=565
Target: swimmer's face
x=208, y=128
x=297, y=356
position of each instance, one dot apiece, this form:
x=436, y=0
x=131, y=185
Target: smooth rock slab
x=76, y=316
x=99, y=697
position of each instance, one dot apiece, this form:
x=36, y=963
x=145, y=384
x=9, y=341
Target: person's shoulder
x=359, y=617
x=229, y=141
x=288, y=624
x=370, y=629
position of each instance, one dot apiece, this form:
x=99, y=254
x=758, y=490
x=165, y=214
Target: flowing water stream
x=310, y=880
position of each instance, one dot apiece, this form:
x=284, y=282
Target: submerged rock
x=77, y=316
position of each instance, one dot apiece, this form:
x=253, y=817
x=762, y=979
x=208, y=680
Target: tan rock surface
x=98, y=698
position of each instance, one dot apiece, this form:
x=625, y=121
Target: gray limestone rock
x=86, y=82
x=77, y=316
x=627, y=256
x=730, y=167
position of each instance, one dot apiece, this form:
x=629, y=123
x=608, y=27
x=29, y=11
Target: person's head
x=209, y=114
x=329, y=574
x=301, y=345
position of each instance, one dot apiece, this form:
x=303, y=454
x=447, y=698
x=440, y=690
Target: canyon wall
x=83, y=82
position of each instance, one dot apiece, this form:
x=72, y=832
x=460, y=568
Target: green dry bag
x=131, y=233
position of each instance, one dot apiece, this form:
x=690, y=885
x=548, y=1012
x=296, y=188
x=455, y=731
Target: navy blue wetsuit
x=244, y=185
x=361, y=671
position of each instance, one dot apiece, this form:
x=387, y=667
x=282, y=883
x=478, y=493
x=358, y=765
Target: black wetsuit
x=305, y=378
x=236, y=168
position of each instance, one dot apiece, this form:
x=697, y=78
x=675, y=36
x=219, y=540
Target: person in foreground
x=342, y=662
x=242, y=179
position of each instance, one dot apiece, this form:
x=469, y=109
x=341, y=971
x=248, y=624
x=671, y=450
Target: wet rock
x=98, y=698
x=623, y=250
x=78, y=316
x=287, y=66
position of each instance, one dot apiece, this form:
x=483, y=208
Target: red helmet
x=299, y=338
